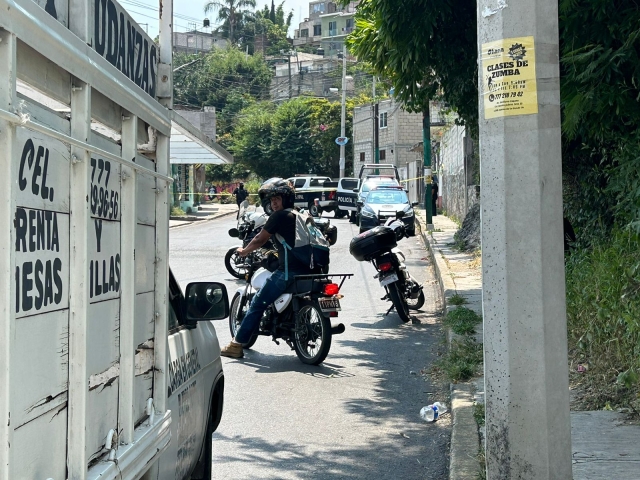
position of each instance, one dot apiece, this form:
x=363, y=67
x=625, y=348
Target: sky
x=188, y=12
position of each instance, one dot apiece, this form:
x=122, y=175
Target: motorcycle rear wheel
x=399, y=302
x=234, y=263
x=312, y=336
x=234, y=323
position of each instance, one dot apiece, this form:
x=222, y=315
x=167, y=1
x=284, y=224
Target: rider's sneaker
x=233, y=350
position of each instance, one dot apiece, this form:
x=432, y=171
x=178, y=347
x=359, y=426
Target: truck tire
x=314, y=210
x=340, y=213
x=352, y=217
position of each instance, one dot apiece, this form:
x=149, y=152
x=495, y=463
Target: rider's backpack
x=310, y=247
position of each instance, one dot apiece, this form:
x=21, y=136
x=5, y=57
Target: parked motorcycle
x=251, y=220
x=379, y=246
x=329, y=231
x=300, y=317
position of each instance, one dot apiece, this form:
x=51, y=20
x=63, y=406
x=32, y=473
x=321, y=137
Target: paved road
x=354, y=417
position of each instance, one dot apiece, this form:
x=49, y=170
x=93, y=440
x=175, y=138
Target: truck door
x=194, y=369
x=346, y=196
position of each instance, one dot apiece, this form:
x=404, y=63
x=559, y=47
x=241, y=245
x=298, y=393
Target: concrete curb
x=188, y=222
x=465, y=440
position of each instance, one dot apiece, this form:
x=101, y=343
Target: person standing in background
x=240, y=194
x=434, y=196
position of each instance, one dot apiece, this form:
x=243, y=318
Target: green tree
x=251, y=142
x=297, y=136
x=424, y=48
x=600, y=86
x=230, y=12
x=226, y=79
x=272, y=28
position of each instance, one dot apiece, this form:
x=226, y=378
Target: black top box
x=372, y=243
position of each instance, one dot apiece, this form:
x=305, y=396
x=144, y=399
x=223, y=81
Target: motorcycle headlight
x=368, y=212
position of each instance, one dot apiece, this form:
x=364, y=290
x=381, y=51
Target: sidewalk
x=603, y=445
x=209, y=212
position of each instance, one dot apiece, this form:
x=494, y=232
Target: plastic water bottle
x=429, y=413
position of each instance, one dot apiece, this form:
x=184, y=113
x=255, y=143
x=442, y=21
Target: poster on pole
x=509, y=77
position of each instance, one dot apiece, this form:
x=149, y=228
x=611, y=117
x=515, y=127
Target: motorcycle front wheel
x=312, y=336
x=399, y=302
x=237, y=311
x=234, y=263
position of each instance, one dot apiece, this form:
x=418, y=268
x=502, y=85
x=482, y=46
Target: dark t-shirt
x=240, y=194
x=284, y=223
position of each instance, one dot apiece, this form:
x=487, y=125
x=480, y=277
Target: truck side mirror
x=415, y=204
x=359, y=204
x=206, y=301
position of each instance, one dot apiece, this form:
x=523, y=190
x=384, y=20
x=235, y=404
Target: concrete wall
x=458, y=188
x=205, y=121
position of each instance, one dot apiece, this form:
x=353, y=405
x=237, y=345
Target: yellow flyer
x=509, y=77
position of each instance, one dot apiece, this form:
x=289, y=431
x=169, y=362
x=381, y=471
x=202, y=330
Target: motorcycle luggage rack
x=319, y=276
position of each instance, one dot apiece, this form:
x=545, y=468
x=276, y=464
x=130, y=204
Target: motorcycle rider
x=279, y=195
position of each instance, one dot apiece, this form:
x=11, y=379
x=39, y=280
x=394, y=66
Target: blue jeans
x=273, y=288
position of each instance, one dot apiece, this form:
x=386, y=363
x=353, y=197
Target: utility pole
x=376, y=137
x=523, y=283
x=373, y=115
x=289, y=63
x=428, y=177
x=344, y=106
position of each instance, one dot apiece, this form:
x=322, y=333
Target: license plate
x=329, y=304
x=384, y=281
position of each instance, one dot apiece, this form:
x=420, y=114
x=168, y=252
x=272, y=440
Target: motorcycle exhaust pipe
x=338, y=329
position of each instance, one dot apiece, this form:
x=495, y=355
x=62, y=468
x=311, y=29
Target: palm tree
x=230, y=11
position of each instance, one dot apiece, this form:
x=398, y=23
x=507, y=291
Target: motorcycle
x=379, y=246
x=300, y=316
x=330, y=232
x=251, y=220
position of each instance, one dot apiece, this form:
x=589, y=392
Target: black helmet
x=276, y=187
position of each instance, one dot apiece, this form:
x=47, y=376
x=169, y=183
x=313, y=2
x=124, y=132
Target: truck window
x=316, y=182
x=349, y=184
x=299, y=183
x=173, y=322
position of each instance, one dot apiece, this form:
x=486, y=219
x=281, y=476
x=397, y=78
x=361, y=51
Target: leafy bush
x=462, y=320
x=603, y=317
x=177, y=212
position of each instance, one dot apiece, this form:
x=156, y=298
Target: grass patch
x=478, y=413
x=462, y=320
x=482, y=471
x=461, y=362
x=177, y=212
x=457, y=299
x=603, y=321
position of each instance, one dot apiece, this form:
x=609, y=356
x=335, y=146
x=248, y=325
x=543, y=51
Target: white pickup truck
x=308, y=188
x=107, y=370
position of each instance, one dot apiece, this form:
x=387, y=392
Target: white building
x=197, y=42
